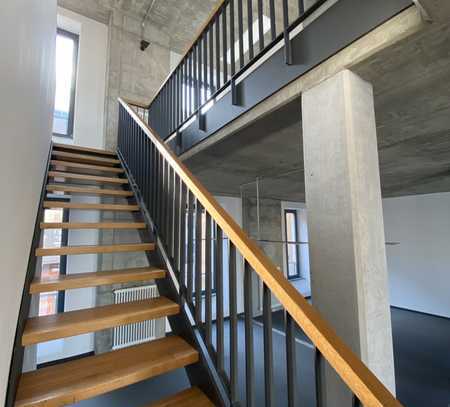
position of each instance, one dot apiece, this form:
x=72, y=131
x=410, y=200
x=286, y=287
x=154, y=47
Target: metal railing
x=239, y=33
x=183, y=213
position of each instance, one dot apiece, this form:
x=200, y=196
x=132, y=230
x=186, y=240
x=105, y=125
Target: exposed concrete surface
x=436, y=10
x=411, y=81
x=345, y=225
x=176, y=20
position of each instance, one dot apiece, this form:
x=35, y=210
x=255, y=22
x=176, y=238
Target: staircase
x=172, y=212
x=69, y=382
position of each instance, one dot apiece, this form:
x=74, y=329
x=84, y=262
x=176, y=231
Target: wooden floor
x=70, y=382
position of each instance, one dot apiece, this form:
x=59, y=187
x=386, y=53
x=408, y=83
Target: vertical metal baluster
x=208, y=283
x=268, y=346
x=190, y=265
x=250, y=29
x=219, y=299
x=198, y=264
x=168, y=218
x=150, y=177
x=260, y=25
x=290, y=360
x=196, y=87
x=183, y=202
x=232, y=53
x=317, y=373
x=301, y=7
x=211, y=58
x=180, y=97
x=146, y=156
x=273, y=28
x=169, y=212
x=161, y=195
x=249, y=350
x=186, y=88
x=169, y=107
x=189, y=84
x=165, y=116
x=154, y=182
x=174, y=100
x=217, y=35
x=287, y=41
x=176, y=219
x=241, y=33
x=205, y=65
x=234, y=390
x=200, y=71
x=224, y=43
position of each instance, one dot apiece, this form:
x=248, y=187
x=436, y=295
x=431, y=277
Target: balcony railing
x=238, y=35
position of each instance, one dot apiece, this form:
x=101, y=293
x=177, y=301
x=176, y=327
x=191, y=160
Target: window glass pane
x=291, y=245
x=48, y=302
x=65, y=49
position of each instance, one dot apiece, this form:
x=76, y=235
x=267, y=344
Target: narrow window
x=66, y=72
x=292, y=244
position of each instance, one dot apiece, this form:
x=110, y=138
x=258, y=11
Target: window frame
x=73, y=87
x=297, y=275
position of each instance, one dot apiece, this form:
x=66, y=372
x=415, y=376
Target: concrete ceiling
x=179, y=19
x=412, y=101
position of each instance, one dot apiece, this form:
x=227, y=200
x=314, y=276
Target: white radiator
x=133, y=334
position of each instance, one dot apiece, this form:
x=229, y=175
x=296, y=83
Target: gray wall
x=27, y=52
x=132, y=73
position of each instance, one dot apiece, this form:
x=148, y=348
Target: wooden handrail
x=364, y=384
x=188, y=48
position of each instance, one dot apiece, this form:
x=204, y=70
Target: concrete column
x=346, y=232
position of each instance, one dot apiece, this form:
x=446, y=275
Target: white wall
x=91, y=78
x=419, y=266
x=27, y=50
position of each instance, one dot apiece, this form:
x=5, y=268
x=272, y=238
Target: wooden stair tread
x=90, y=206
x=84, y=158
x=92, y=225
x=73, y=147
x=86, y=177
x=87, y=190
x=85, y=378
x=82, y=280
x=94, y=167
x=95, y=249
x=187, y=398
x=65, y=324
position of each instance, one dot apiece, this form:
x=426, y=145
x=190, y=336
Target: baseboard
x=421, y=312
x=64, y=360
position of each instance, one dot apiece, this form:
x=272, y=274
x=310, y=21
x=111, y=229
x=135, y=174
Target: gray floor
x=422, y=360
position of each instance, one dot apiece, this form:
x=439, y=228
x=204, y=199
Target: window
x=66, y=72
x=52, y=266
x=292, y=244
